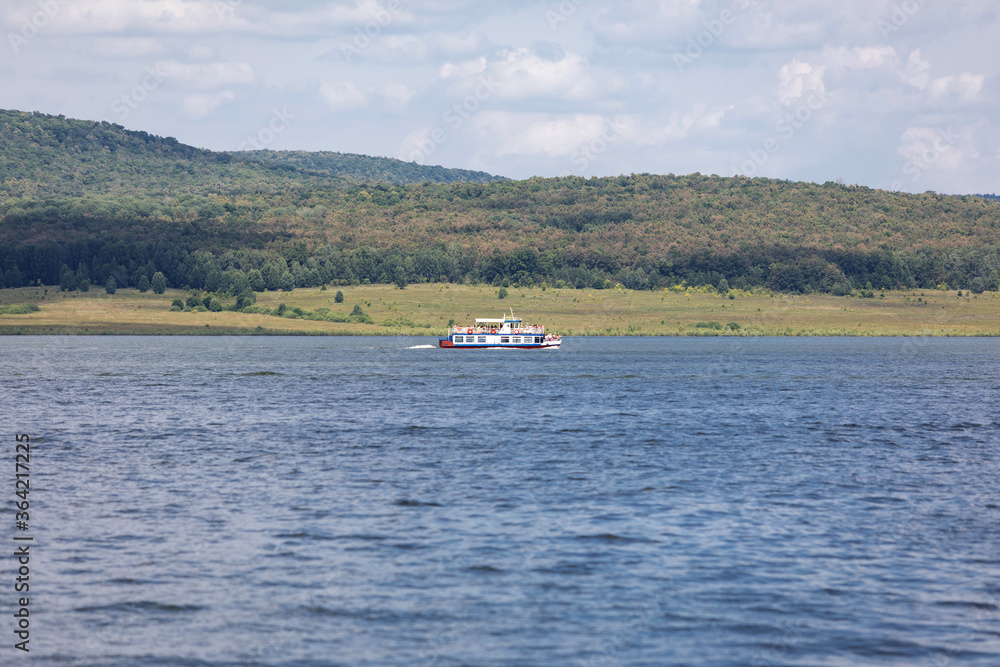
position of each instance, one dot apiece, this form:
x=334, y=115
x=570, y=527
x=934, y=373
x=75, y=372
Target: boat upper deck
x=507, y=325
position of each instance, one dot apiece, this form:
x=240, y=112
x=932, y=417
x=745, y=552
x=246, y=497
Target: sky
x=891, y=94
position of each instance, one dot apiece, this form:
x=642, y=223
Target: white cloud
x=111, y=17
x=141, y=16
x=796, y=79
x=875, y=57
x=397, y=95
x=420, y=145
x=206, y=75
x=929, y=148
x=641, y=20
x=917, y=72
x=678, y=125
x=127, y=47
x=528, y=134
x=198, y=105
x=342, y=95
x=202, y=52
x=558, y=135
x=965, y=86
x=520, y=73
x=462, y=70
x=400, y=48
x=455, y=45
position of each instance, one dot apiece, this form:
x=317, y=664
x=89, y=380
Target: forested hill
x=360, y=169
x=45, y=156
x=93, y=200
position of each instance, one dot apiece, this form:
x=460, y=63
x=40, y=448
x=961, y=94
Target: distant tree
x=111, y=286
x=339, y=297
x=245, y=299
x=213, y=280
x=256, y=278
x=359, y=316
x=159, y=283
x=272, y=276
x=214, y=305
x=13, y=277
x=502, y=294
x=236, y=282
x=67, y=279
x=143, y=283
x=85, y=285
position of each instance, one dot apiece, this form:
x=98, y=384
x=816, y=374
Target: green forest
x=83, y=202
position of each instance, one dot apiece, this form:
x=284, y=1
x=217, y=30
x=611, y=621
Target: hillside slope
x=102, y=200
x=45, y=156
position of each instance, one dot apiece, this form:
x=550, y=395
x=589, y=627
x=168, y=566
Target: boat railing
x=530, y=330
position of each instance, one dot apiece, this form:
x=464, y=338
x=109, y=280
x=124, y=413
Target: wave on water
x=422, y=347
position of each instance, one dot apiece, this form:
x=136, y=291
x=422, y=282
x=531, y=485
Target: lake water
x=368, y=501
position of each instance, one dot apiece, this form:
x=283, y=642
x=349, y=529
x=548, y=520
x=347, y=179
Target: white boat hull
x=493, y=341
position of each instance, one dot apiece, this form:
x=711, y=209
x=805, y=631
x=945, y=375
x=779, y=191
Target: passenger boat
x=506, y=332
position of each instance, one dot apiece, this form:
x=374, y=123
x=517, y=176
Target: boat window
x=515, y=340
x=505, y=339
x=459, y=339
x=482, y=339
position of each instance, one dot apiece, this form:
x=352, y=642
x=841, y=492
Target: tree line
x=160, y=264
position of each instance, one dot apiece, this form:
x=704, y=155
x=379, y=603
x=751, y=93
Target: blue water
x=366, y=501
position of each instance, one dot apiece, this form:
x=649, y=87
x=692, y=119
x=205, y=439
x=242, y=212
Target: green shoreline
x=300, y=334
x=425, y=311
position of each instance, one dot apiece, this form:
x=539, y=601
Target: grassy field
x=426, y=310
